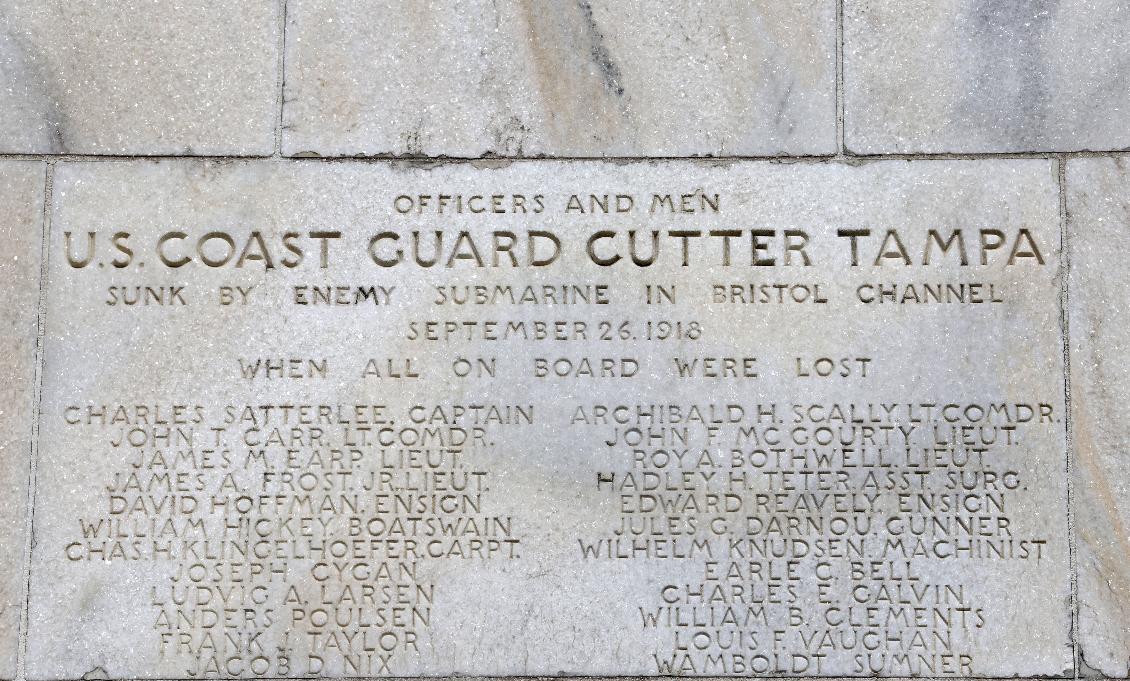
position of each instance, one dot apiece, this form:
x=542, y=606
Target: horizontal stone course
x=594, y=79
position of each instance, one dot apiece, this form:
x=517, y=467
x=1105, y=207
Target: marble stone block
x=125, y=77
x=977, y=76
x=522, y=78
x=552, y=418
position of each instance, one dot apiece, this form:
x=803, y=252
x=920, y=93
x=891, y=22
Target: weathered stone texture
x=130, y=77
x=21, y=217
x=1098, y=203
x=986, y=76
x=443, y=78
x=114, y=593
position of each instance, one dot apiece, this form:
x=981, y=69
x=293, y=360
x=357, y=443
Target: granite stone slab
x=986, y=76
x=1097, y=201
x=521, y=78
x=543, y=418
x=126, y=77
x=21, y=208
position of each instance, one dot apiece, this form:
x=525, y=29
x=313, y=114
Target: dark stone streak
x=28, y=67
x=609, y=72
x=1010, y=84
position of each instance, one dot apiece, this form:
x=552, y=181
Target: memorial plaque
x=21, y=205
x=542, y=418
x=1098, y=202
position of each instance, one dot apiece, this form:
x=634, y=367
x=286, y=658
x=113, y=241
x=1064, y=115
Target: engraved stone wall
x=585, y=339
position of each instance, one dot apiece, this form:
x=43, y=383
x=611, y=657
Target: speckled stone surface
x=986, y=76
x=1098, y=202
x=601, y=78
x=484, y=345
x=21, y=219
x=138, y=77
x=147, y=536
